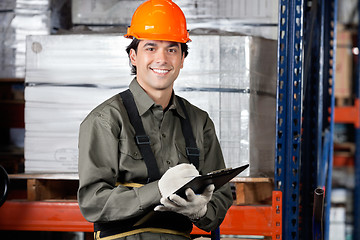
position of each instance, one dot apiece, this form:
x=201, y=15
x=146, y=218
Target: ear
x=182, y=61
x=132, y=56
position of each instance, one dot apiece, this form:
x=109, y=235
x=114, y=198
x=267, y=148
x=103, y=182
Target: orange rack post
x=348, y=114
x=253, y=220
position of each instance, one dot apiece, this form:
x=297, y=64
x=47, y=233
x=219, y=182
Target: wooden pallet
x=38, y=187
x=343, y=101
x=344, y=154
x=63, y=186
x=253, y=191
x=345, y=149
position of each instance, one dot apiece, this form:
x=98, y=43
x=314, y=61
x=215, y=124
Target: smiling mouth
x=160, y=71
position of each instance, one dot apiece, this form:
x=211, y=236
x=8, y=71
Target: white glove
x=176, y=177
x=194, y=206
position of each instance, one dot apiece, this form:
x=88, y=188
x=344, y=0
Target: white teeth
x=160, y=71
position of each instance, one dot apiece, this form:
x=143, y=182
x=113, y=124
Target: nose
x=161, y=56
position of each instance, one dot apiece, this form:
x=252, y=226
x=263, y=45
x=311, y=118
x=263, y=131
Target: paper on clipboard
x=218, y=178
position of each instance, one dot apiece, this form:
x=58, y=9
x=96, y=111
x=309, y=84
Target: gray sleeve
x=98, y=196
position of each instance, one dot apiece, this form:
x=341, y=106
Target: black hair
x=135, y=43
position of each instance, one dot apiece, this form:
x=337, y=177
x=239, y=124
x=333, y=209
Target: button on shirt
x=108, y=154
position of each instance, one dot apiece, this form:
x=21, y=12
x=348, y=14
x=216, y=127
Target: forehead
x=159, y=43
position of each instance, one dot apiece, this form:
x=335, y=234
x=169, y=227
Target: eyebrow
x=152, y=44
x=173, y=44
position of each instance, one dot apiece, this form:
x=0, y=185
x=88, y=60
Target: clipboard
x=218, y=178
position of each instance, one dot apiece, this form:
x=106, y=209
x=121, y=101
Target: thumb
x=209, y=191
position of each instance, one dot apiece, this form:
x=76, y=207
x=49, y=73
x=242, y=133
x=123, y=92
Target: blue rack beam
x=288, y=115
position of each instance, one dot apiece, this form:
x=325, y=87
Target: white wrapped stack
x=18, y=19
x=250, y=17
x=7, y=35
x=233, y=78
x=66, y=77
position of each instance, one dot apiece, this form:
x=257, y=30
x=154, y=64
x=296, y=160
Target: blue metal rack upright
x=288, y=117
x=330, y=19
x=318, y=115
x=305, y=106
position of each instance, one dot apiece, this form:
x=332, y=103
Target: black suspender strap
x=192, y=150
x=142, y=140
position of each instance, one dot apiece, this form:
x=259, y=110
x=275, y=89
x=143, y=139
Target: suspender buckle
x=142, y=140
x=190, y=151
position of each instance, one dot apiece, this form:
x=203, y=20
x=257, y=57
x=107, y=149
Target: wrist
x=197, y=216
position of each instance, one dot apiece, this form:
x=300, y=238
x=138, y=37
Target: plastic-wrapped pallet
x=19, y=18
x=251, y=17
x=7, y=35
x=66, y=77
x=7, y=5
x=233, y=78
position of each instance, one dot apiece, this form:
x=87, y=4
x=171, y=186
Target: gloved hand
x=194, y=206
x=176, y=177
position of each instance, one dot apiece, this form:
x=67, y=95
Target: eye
x=173, y=50
x=150, y=49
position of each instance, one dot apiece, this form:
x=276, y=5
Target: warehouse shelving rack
x=305, y=115
x=351, y=115
x=318, y=114
x=66, y=216
x=304, y=127
x=288, y=117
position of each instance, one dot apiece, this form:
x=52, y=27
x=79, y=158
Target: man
x=138, y=147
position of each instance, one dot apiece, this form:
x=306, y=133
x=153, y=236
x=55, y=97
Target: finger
x=184, y=169
x=168, y=203
x=160, y=208
x=208, y=191
x=190, y=170
x=176, y=199
x=190, y=195
x=210, y=188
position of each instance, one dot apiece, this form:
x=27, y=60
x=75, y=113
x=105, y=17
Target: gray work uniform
x=108, y=155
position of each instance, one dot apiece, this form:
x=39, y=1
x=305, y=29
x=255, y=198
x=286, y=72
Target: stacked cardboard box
x=233, y=78
x=344, y=65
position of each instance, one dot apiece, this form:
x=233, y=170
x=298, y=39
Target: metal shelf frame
x=288, y=113
x=305, y=112
x=318, y=113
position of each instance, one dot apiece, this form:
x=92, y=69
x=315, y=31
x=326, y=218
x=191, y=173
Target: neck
x=161, y=97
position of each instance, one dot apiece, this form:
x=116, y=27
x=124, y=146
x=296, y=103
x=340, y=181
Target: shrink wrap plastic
x=233, y=78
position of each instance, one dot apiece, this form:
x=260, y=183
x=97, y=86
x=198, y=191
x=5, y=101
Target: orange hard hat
x=159, y=20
